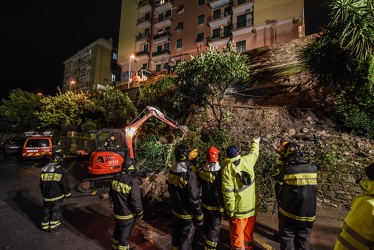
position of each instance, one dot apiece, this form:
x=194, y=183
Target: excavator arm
x=133, y=127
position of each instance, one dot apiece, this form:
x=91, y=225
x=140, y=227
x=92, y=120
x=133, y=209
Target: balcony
x=165, y=36
x=162, y=21
x=144, y=6
x=141, y=55
x=241, y=6
x=163, y=5
x=143, y=22
x=141, y=37
x=217, y=22
x=161, y=53
x=218, y=3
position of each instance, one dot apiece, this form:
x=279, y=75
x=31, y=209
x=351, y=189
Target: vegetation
x=203, y=81
x=18, y=111
x=64, y=109
x=343, y=58
x=112, y=106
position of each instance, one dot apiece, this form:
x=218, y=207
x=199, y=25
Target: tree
x=113, y=105
x=65, y=109
x=204, y=80
x=341, y=54
x=19, y=110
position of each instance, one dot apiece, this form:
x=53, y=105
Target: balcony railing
x=167, y=33
x=143, y=52
x=165, y=51
x=142, y=20
x=143, y=3
x=140, y=36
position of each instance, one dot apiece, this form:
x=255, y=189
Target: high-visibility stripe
x=357, y=236
x=299, y=218
x=302, y=179
x=346, y=244
x=247, y=212
x=207, y=176
x=211, y=208
x=121, y=187
x=183, y=216
x=210, y=244
x=54, y=199
x=228, y=190
x=51, y=177
x=177, y=181
x=124, y=217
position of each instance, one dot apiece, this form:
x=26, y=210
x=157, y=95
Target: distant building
x=93, y=67
x=162, y=33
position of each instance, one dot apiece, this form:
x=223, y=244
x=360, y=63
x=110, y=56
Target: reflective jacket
x=54, y=183
x=298, y=196
x=358, y=228
x=184, y=193
x=240, y=199
x=126, y=196
x=211, y=190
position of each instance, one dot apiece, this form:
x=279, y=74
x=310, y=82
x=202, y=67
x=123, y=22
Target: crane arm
x=133, y=127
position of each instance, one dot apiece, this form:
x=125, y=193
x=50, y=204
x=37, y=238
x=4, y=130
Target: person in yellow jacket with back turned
x=239, y=195
x=358, y=227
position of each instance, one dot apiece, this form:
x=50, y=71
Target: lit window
x=180, y=9
x=179, y=26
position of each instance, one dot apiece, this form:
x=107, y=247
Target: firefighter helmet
x=182, y=153
x=291, y=149
x=55, y=158
x=212, y=154
x=193, y=154
x=282, y=145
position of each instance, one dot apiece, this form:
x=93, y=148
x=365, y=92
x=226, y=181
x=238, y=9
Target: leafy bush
x=354, y=118
x=88, y=125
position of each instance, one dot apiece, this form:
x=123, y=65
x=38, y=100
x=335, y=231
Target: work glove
x=256, y=140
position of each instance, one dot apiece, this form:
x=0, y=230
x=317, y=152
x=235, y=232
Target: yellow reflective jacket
x=240, y=200
x=358, y=228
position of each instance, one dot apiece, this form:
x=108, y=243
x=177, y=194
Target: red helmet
x=213, y=154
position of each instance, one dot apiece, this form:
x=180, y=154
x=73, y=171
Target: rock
x=291, y=132
x=305, y=130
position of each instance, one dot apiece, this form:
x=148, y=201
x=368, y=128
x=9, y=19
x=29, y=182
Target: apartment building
x=170, y=31
x=93, y=67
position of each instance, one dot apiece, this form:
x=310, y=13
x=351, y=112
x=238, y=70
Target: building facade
x=93, y=67
x=170, y=31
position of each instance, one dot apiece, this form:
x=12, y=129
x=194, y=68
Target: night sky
x=37, y=36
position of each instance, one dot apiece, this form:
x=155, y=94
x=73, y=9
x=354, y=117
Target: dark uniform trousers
x=212, y=226
x=183, y=233
x=293, y=234
x=121, y=234
x=51, y=214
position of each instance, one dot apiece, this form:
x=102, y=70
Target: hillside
x=283, y=102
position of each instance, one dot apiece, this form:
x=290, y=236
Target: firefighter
x=297, y=199
x=239, y=194
x=127, y=204
x=277, y=172
x=212, y=200
x=185, y=200
x=57, y=150
x=358, y=228
x=54, y=186
x=110, y=142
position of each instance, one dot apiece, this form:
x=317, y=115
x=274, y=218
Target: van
x=37, y=147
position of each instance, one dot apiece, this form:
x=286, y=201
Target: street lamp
x=71, y=82
x=128, y=84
